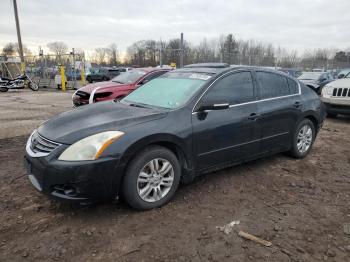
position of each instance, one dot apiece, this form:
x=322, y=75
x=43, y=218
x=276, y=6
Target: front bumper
x=79, y=102
x=84, y=181
x=337, y=109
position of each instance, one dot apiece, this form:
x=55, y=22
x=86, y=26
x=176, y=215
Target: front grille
x=341, y=92
x=41, y=145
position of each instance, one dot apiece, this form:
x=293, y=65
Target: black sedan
x=182, y=124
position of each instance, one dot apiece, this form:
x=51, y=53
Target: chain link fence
x=45, y=70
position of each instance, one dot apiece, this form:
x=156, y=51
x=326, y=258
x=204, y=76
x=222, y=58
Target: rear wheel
x=303, y=139
x=151, y=179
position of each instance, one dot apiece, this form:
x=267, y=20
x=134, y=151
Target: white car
x=336, y=96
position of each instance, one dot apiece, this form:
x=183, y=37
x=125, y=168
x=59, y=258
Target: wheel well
x=313, y=120
x=175, y=149
x=168, y=145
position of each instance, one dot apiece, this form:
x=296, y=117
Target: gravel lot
x=301, y=206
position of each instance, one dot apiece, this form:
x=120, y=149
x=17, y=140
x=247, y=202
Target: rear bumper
x=84, y=182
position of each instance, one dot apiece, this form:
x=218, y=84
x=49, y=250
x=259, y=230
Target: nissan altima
x=187, y=122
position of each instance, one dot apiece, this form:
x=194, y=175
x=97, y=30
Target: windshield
x=347, y=76
x=170, y=91
x=129, y=76
x=310, y=76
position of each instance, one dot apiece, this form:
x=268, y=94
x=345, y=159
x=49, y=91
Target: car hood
x=102, y=85
x=340, y=83
x=312, y=81
x=71, y=126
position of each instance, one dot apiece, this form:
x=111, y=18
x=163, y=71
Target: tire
x=4, y=89
x=33, y=86
x=302, y=139
x=105, y=78
x=140, y=191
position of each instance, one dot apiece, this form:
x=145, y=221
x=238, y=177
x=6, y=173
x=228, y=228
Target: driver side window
x=234, y=89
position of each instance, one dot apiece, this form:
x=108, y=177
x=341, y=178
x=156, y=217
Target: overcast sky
x=87, y=24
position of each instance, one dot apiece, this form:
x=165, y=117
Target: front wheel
x=33, y=86
x=303, y=139
x=3, y=89
x=151, y=179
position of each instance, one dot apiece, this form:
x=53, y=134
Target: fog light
x=67, y=190
x=70, y=191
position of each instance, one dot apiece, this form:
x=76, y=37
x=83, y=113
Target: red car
x=117, y=88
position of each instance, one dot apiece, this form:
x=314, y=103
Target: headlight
x=91, y=147
x=327, y=90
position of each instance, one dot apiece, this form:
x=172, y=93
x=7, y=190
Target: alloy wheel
x=155, y=180
x=304, y=138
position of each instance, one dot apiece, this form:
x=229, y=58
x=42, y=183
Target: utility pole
x=18, y=32
x=182, y=51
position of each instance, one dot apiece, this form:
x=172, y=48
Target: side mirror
x=209, y=106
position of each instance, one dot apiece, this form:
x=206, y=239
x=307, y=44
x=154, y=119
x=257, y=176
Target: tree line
x=228, y=49
x=225, y=48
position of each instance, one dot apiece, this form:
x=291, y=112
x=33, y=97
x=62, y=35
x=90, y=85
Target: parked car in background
x=117, y=88
x=336, y=96
x=292, y=72
x=343, y=73
x=316, y=80
x=72, y=75
x=104, y=74
x=187, y=122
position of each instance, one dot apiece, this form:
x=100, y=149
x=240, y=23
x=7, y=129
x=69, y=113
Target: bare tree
x=9, y=49
x=112, y=53
x=101, y=55
x=59, y=48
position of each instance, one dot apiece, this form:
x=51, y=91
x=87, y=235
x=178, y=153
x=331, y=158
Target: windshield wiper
x=118, y=82
x=139, y=105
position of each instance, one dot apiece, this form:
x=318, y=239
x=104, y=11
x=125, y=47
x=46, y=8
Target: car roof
x=203, y=70
x=151, y=69
x=315, y=73
x=218, y=70
x=208, y=65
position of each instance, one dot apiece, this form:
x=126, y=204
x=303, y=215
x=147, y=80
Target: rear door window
x=272, y=85
x=293, y=86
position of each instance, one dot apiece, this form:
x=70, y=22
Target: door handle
x=253, y=116
x=297, y=104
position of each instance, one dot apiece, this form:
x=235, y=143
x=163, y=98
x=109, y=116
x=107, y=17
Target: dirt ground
x=300, y=206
